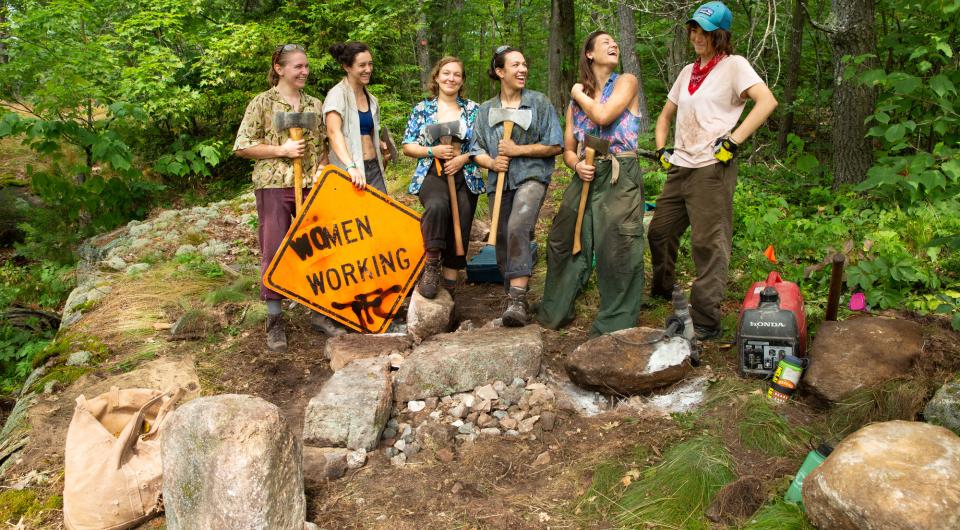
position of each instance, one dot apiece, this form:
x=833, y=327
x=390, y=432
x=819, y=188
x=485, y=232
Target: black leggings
x=436, y=224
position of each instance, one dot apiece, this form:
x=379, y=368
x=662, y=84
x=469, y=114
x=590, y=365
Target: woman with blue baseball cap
x=707, y=100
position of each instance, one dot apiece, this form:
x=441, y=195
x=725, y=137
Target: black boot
x=276, y=333
x=517, y=312
x=430, y=280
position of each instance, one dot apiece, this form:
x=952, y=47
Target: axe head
x=290, y=120
x=599, y=145
x=520, y=117
x=433, y=133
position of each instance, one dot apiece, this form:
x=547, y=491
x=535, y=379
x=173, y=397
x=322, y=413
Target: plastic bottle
x=814, y=459
x=785, y=379
x=682, y=309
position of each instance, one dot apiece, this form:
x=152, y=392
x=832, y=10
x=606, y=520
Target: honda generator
x=772, y=325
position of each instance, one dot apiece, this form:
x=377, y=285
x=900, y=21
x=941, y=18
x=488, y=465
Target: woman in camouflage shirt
x=273, y=152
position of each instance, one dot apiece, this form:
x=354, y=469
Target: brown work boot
x=517, y=312
x=276, y=333
x=430, y=280
x=322, y=324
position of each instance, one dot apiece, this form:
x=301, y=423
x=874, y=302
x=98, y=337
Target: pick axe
x=445, y=133
x=593, y=145
x=509, y=117
x=296, y=122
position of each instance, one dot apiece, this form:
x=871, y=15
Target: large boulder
x=458, y=362
x=944, y=407
x=427, y=317
x=344, y=349
x=859, y=353
x=352, y=407
x=629, y=361
x=891, y=475
x=231, y=461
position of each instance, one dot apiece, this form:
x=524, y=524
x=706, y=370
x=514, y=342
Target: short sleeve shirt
x=425, y=113
x=257, y=128
x=544, y=129
x=710, y=112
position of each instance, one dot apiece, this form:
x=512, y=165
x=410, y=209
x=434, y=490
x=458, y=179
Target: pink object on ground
x=858, y=302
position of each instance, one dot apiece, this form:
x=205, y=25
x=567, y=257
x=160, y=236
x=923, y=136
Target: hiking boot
x=322, y=324
x=517, y=312
x=430, y=280
x=276, y=333
x=704, y=333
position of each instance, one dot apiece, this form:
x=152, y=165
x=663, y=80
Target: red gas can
x=772, y=325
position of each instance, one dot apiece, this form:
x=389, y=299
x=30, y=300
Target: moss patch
x=66, y=375
x=17, y=504
x=778, y=515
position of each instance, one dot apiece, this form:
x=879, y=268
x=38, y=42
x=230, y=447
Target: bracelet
x=430, y=152
x=353, y=165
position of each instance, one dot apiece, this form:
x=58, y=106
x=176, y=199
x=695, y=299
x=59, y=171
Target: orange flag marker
x=770, y=254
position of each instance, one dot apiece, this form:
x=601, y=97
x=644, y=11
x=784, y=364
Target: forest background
x=114, y=108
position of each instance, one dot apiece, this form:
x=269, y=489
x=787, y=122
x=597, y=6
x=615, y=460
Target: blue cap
x=713, y=15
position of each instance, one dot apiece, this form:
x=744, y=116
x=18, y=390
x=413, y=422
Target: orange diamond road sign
x=351, y=255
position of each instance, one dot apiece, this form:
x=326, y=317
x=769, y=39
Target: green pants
x=613, y=231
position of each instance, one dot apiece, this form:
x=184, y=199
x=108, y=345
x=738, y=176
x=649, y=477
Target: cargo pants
x=518, y=216
x=613, y=231
x=701, y=198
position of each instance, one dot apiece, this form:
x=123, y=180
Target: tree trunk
x=854, y=34
x=677, y=48
x=793, y=69
x=3, y=33
x=455, y=39
x=520, y=35
x=422, y=46
x=562, y=70
x=631, y=64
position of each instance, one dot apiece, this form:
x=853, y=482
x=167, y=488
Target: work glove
x=724, y=149
x=663, y=156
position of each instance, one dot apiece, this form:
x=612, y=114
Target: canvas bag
x=113, y=475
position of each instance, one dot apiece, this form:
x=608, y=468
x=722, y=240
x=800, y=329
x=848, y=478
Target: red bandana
x=700, y=72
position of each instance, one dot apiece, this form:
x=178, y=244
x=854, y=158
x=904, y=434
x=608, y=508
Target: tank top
x=622, y=132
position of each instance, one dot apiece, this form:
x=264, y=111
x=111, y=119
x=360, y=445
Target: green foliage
x=761, y=427
x=898, y=399
x=243, y=289
x=675, y=492
x=600, y=500
x=73, y=211
x=916, y=119
x=779, y=515
x=197, y=264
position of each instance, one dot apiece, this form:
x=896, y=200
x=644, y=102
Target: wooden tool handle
x=454, y=205
x=495, y=221
x=296, y=134
x=584, y=192
x=455, y=211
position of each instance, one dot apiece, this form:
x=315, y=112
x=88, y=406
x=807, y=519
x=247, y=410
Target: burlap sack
x=113, y=476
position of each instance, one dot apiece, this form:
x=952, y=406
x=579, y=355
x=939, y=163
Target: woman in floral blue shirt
x=446, y=86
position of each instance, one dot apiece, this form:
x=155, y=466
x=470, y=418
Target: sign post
x=352, y=255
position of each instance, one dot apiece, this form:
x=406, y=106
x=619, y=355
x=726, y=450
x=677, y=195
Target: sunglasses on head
x=288, y=48
x=503, y=49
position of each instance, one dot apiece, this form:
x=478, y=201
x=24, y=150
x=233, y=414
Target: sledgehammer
x=296, y=122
